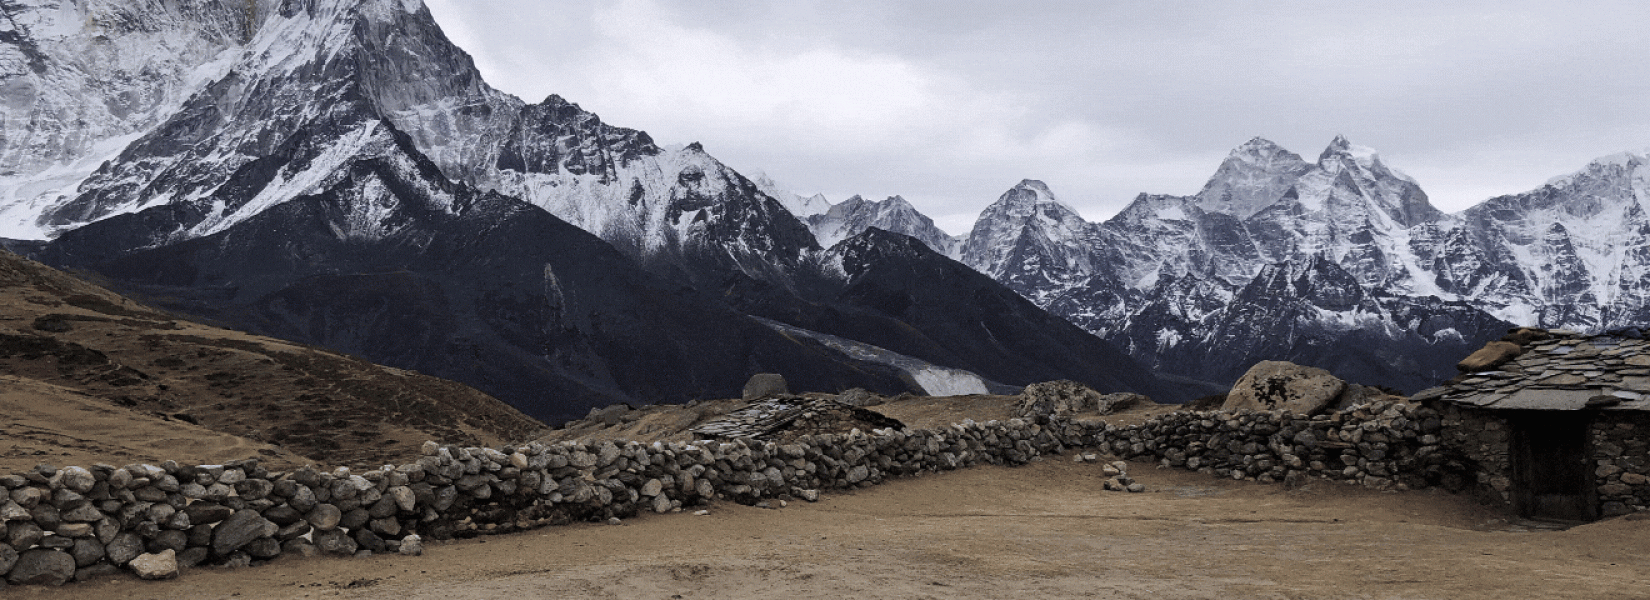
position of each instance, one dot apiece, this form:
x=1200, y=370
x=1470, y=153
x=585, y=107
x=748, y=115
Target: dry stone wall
x=62, y=524
x=1381, y=445
x=1621, y=453
x=72, y=523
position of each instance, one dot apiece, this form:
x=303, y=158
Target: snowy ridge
x=82, y=83
x=290, y=82
x=894, y=213
x=802, y=207
x=1166, y=276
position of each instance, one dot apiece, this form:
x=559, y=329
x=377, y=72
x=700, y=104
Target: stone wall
x=72, y=523
x=1381, y=445
x=1482, y=439
x=1622, y=453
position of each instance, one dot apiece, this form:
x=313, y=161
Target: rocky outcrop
x=1278, y=385
x=1064, y=399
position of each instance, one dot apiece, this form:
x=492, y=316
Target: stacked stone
x=1481, y=439
x=1610, y=372
x=1379, y=445
x=74, y=523
x=1622, y=454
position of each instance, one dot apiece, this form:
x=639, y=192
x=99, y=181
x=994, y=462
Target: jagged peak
x=1340, y=147
x=1257, y=145
x=1035, y=185
x=1628, y=160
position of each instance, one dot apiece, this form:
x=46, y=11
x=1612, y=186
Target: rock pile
x=1063, y=399
x=786, y=417
x=1116, y=473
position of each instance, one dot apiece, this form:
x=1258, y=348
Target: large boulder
x=763, y=385
x=1492, y=355
x=1272, y=385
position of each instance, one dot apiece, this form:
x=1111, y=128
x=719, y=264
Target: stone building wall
x=1621, y=450
x=1482, y=440
x=1620, y=447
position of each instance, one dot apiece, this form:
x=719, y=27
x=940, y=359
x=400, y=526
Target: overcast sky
x=949, y=103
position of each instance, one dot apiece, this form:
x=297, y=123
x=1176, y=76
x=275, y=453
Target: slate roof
x=1569, y=371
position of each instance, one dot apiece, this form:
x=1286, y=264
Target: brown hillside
x=75, y=356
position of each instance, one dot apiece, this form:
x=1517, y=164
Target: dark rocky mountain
x=893, y=291
x=393, y=262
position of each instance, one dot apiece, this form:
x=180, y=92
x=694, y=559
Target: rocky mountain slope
x=395, y=263
x=93, y=372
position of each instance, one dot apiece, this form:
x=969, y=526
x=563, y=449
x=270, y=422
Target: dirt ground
x=1040, y=531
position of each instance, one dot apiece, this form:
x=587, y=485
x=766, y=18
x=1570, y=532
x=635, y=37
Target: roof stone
x=1555, y=370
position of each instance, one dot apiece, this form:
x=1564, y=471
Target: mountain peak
x=1253, y=176
x=1257, y=145
x=1035, y=185
x=1341, y=148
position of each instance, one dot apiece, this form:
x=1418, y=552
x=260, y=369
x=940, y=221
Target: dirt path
x=1041, y=531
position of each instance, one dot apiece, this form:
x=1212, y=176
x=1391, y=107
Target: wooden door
x=1552, y=474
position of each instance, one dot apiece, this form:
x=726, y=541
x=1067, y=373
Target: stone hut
x=1555, y=423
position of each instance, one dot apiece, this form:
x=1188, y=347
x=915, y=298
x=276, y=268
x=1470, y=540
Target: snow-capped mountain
x=81, y=81
x=855, y=215
x=391, y=261
x=674, y=208
x=799, y=205
x=289, y=103
x=895, y=292
x=1195, y=285
x=337, y=172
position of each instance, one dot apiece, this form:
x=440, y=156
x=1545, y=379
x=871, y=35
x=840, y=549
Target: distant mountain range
x=337, y=172
x=1340, y=263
